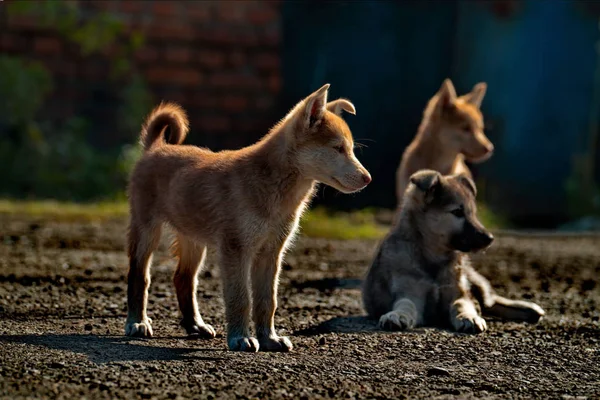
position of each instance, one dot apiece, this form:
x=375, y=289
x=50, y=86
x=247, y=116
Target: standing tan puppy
x=450, y=133
x=422, y=274
x=245, y=203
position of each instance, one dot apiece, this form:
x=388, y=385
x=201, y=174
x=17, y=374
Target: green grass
x=356, y=225
x=491, y=220
x=318, y=222
x=64, y=210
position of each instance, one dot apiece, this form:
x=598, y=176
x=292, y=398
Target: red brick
x=263, y=103
x=173, y=76
x=231, y=11
x=178, y=54
x=46, y=45
x=270, y=38
x=93, y=72
x=214, y=123
x=146, y=54
x=274, y=84
x=204, y=101
x=235, y=80
x=131, y=6
x=10, y=42
x=220, y=36
x=237, y=59
x=23, y=23
x=263, y=15
x=198, y=11
x=166, y=8
x=234, y=103
x=211, y=59
x=267, y=61
x=166, y=30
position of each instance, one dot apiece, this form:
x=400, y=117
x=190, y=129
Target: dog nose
x=366, y=178
x=487, y=238
x=490, y=148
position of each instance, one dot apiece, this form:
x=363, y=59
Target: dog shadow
x=102, y=349
x=349, y=325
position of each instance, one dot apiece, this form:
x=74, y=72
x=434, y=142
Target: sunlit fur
x=244, y=203
x=452, y=131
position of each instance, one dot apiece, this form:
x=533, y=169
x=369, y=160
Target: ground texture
x=62, y=313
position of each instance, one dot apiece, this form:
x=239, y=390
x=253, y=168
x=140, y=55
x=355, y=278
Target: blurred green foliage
x=42, y=159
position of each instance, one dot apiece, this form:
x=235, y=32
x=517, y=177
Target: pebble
x=438, y=371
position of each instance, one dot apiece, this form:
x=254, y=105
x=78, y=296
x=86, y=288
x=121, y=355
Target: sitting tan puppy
x=450, y=133
x=245, y=203
x=421, y=275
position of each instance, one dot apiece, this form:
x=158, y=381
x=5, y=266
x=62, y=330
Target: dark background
x=80, y=76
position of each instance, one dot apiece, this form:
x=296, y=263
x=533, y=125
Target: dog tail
x=164, y=115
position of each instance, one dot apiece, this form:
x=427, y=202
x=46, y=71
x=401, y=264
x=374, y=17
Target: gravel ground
x=62, y=313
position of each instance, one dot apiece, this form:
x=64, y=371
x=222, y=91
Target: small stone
x=88, y=327
x=438, y=371
x=56, y=364
x=322, y=341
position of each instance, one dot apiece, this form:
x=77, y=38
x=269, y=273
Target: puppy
x=422, y=276
x=245, y=203
x=450, y=133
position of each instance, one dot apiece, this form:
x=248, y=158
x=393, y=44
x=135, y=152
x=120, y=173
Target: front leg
x=265, y=278
x=403, y=316
x=235, y=265
x=464, y=316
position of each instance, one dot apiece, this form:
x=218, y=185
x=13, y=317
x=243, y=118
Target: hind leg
x=143, y=240
x=191, y=261
x=497, y=306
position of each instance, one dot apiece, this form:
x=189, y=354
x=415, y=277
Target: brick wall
x=220, y=60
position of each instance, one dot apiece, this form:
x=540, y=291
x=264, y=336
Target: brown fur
x=422, y=274
x=246, y=203
x=450, y=133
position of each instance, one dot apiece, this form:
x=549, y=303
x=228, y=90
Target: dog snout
x=486, y=238
x=366, y=177
x=489, y=148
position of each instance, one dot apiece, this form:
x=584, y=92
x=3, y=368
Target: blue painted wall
x=390, y=57
x=539, y=64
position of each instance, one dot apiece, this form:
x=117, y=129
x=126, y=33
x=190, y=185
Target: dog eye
x=458, y=212
x=466, y=128
x=340, y=149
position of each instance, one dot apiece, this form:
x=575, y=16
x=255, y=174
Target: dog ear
x=338, y=105
x=467, y=182
x=315, y=106
x=426, y=180
x=476, y=95
x=447, y=94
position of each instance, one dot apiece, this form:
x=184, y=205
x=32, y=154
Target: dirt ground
x=62, y=313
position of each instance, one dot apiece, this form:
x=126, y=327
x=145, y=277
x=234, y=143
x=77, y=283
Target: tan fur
x=450, y=133
x=422, y=274
x=245, y=203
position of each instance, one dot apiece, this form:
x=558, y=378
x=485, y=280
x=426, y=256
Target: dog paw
x=277, y=343
x=535, y=313
x=248, y=344
x=394, y=321
x=197, y=330
x=139, y=329
x=468, y=324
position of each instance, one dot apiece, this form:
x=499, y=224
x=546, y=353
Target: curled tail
x=165, y=114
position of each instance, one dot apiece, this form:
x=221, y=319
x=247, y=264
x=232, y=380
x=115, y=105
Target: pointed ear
x=447, y=94
x=338, y=105
x=476, y=95
x=315, y=106
x=467, y=182
x=426, y=181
